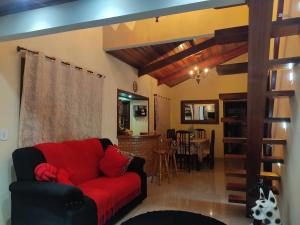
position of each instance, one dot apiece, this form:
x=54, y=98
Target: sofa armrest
x=136, y=165
x=53, y=192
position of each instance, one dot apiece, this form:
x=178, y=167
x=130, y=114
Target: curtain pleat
x=59, y=102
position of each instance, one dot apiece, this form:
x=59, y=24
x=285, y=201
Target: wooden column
x=260, y=21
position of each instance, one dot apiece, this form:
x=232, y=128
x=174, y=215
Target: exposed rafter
x=210, y=62
x=239, y=68
x=174, y=58
x=280, y=28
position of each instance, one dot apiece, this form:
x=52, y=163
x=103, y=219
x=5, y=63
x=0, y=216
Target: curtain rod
x=53, y=58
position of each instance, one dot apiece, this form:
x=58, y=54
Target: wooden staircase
x=256, y=149
x=268, y=176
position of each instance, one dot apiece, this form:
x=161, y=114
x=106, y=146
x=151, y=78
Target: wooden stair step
x=242, y=140
x=286, y=93
x=236, y=187
x=278, y=120
x=237, y=140
x=274, y=141
x=243, y=173
x=235, y=156
x=265, y=159
x=242, y=187
x=272, y=159
x=240, y=199
x=235, y=173
x=233, y=120
x=270, y=176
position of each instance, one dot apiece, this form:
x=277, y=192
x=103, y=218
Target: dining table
x=200, y=144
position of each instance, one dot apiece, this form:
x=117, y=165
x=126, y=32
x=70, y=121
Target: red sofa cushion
x=79, y=158
x=48, y=172
x=113, y=163
x=45, y=172
x=121, y=190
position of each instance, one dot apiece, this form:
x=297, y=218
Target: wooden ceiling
x=14, y=6
x=170, y=63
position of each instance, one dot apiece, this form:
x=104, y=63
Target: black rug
x=172, y=218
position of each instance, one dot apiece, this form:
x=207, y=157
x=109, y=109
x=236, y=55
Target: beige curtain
x=59, y=102
x=162, y=114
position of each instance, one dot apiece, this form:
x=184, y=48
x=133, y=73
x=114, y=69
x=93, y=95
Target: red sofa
x=93, y=199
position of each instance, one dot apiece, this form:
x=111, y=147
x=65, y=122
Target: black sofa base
x=125, y=210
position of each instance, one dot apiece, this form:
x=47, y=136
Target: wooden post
x=260, y=21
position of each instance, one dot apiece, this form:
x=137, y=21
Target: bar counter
x=141, y=146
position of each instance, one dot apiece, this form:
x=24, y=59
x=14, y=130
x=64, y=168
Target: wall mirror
x=200, y=112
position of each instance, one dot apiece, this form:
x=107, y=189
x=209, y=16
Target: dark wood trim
x=230, y=69
x=179, y=56
x=260, y=28
x=240, y=68
x=233, y=96
x=213, y=101
x=280, y=28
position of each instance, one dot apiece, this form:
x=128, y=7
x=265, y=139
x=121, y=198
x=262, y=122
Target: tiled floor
x=202, y=192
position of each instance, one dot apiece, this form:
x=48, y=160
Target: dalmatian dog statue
x=266, y=210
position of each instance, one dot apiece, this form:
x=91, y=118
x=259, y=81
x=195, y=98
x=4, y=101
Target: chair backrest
x=200, y=133
x=183, y=137
x=212, y=149
x=171, y=134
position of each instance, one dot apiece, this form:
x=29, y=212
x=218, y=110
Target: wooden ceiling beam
x=179, y=56
x=280, y=28
x=239, y=68
x=210, y=62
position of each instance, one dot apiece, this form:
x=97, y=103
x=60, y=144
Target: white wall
x=138, y=124
x=82, y=48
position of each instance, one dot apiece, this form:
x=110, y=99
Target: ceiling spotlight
x=206, y=70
